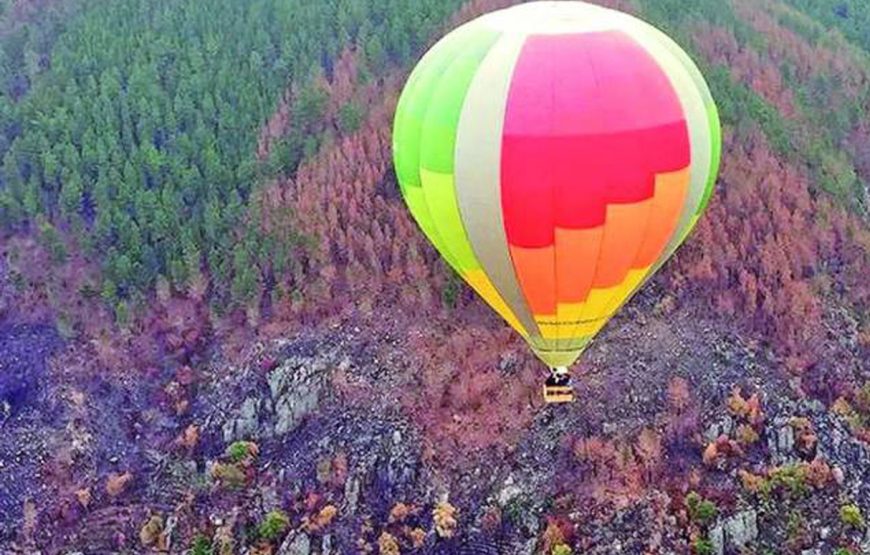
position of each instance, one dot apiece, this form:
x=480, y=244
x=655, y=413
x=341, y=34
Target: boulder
x=735, y=532
x=300, y=544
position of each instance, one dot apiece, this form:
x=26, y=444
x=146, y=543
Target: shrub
x=752, y=482
x=703, y=546
x=850, y=515
x=701, y=510
x=417, y=537
x=241, y=451
x=149, y=534
x=274, y=525
x=321, y=520
x=818, y=473
x=444, y=516
x=387, y=544
x=693, y=499
x=201, y=546
x=230, y=475
x=117, y=484
x=798, y=535
x=791, y=477
x=746, y=435
x=561, y=549
x=399, y=513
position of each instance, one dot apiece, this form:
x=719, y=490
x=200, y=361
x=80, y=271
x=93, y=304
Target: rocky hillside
x=355, y=398
x=699, y=448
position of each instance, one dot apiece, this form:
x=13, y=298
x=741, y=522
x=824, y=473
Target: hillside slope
x=214, y=228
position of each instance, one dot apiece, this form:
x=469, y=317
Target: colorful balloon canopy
x=556, y=154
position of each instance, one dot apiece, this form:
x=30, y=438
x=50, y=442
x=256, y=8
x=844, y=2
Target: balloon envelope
x=556, y=154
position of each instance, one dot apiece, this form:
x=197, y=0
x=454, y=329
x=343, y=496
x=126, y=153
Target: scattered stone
x=780, y=441
x=351, y=495
x=299, y=544
x=717, y=539
x=736, y=532
x=508, y=492
x=507, y=362
x=742, y=528
x=246, y=424
x=785, y=439
x=295, y=390
x=270, y=497
x=171, y=524
x=723, y=427
x=529, y=547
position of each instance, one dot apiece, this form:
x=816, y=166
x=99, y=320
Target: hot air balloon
x=556, y=154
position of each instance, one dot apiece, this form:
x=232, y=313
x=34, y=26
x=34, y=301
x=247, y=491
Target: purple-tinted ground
x=24, y=412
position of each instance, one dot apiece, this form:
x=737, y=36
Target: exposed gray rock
x=270, y=498
x=530, y=522
x=295, y=392
x=246, y=425
x=846, y=454
x=529, y=547
x=351, y=495
x=785, y=439
x=737, y=532
x=171, y=525
x=721, y=428
x=508, y=492
x=299, y=544
x=741, y=529
x=780, y=441
x=508, y=361
x=717, y=538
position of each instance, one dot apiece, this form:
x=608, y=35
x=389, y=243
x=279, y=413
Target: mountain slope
x=364, y=372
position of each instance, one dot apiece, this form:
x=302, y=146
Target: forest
x=139, y=148
x=183, y=182
x=251, y=174
x=131, y=134
x=183, y=187
x=146, y=160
